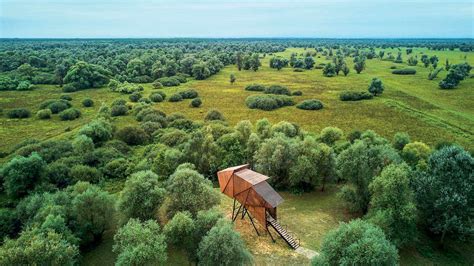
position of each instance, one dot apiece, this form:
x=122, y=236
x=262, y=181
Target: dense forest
x=136, y=165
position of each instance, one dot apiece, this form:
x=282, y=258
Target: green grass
x=410, y=103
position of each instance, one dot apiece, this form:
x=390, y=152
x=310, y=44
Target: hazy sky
x=224, y=18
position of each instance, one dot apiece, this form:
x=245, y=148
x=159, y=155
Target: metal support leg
x=254, y=227
x=270, y=235
x=237, y=214
x=243, y=213
x=233, y=209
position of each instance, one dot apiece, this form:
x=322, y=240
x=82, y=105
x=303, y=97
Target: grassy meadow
x=410, y=103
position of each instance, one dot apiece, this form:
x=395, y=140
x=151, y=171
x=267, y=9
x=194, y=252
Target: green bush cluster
x=44, y=114
x=55, y=106
x=268, y=102
x=169, y=81
x=277, y=89
x=18, y=113
x=255, y=87
x=176, y=97
x=87, y=102
x=189, y=94
x=70, y=114
x=311, y=104
x=355, y=95
x=404, y=71
x=196, y=102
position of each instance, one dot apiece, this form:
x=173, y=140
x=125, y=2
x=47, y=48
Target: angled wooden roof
x=233, y=181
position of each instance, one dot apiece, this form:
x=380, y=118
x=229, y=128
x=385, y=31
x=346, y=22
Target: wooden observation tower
x=255, y=198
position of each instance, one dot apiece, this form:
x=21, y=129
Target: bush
x=69, y=88
x=311, y=104
x=156, y=97
x=70, y=114
x=298, y=70
x=144, y=100
x=98, y=130
x=85, y=173
x=24, y=86
x=87, y=102
x=176, y=97
x=169, y=81
x=196, y=102
x=66, y=97
x=134, y=97
x=214, y=114
x=404, y=71
x=55, y=106
x=181, y=78
x=268, y=102
x=356, y=243
x=297, y=93
x=132, y=135
x=157, y=85
x=118, y=110
x=255, y=87
x=19, y=113
x=189, y=94
x=44, y=114
x=277, y=89
x=355, y=96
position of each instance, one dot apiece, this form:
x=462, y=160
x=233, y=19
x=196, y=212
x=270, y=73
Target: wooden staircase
x=292, y=241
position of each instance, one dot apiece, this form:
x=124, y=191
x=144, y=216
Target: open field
x=411, y=103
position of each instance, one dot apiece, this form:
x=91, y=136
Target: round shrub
x=132, y=135
x=55, y=106
x=181, y=78
x=196, y=102
x=116, y=168
x=151, y=127
x=169, y=81
x=119, y=102
x=87, y=102
x=189, y=94
x=156, y=97
x=66, y=97
x=69, y=88
x=310, y=105
x=297, y=93
x=24, y=86
x=70, y=114
x=18, y=113
x=176, y=97
x=157, y=85
x=355, y=96
x=144, y=100
x=118, y=110
x=134, y=97
x=268, y=102
x=214, y=114
x=404, y=71
x=277, y=89
x=44, y=114
x=143, y=115
x=255, y=87
x=85, y=173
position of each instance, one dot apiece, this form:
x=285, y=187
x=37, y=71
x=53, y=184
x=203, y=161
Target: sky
x=234, y=19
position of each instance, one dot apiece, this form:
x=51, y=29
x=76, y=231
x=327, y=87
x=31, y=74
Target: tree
x=359, y=164
x=359, y=64
x=201, y=71
x=239, y=60
x=338, y=63
x=38, y=247
x=392, y=204
x=141, y=196
x=345, y=69
x=91, y=208
x=445, y=192
x=456, y=74
x=99, y=130
x=190, y=191
x=376, y=87
x=255, y=62
x=356, y=243
x=21, y=174
x=400, y=139
x=278, y=62
x=232, y=78
x=434, y=61
x=330, y=135
x=399, y=58
x=425, y=60
x=223, y=246
x=308, y=62
x=179, y=231
x=140, y=243
x=84, y=75
x=329, y=70
x=416, y=154
x=412, y=61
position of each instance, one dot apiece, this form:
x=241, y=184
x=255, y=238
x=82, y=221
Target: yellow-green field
x=410, y=103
